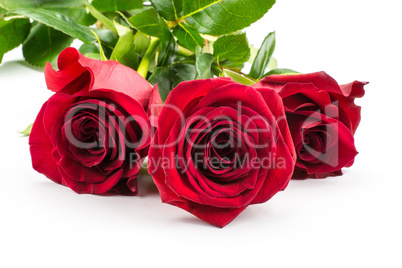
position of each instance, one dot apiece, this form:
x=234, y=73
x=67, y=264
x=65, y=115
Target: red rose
x=94, y=132
x=220, y=147
x=322, y=118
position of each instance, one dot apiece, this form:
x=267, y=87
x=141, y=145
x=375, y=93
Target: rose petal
x=184, y=97
x=349, y=111
x=339, y=153
x=320, y=80
x=41, y=148
x=103, y=75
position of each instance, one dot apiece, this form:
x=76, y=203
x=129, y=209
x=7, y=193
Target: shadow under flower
x=146, y=185
x=13, y=67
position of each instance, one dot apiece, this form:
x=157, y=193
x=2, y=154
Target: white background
x=348, y=221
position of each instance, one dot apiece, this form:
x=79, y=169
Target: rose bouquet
x=162, y=86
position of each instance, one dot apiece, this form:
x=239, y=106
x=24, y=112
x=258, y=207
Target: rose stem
x=206, y=45
x=144, y=64
x=182, y=51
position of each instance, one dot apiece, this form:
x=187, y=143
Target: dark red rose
x=93, y=134
x=322, y=118
x=220, y=147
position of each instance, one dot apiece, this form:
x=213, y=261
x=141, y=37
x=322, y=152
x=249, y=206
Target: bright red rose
x=93, y=134
x=322, y=118
x=220, y=147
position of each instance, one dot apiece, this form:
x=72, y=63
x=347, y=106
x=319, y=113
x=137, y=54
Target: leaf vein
x=200, y=9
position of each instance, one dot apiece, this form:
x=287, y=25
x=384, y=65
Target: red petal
x=219, y=217
x=182, y=97
x=103, y=75
x=321, y=80
x=41, y=149
x=69, y=70
x=349, y=111
x=154, y=107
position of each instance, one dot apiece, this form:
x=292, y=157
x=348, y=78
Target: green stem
x=101, y=52
x=182, y=51
x=108, y=23
x=144, y=64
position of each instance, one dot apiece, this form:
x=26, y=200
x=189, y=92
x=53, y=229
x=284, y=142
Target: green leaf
x=108, y=40
x=116, y=5
x=90, y=51
x=27, y=131
x=263, y=57
x=12, y=34
x=204, y=65
x=218, y=17
x=101, y=51
x=79, y=15
x=164, y=78
x=75, y=9
x=107, y=23
x=273, y=64
x=183, y=72
x=239, y=78
x=253, y=54
x=106, y=36
x=280, y=71
x=187, y=36
x=233, y=48
x=13, y=4
x=124, y=51
x=147, y=22
x=44, y=44
x=167, y=45
x=168, y=78
x=58, y=21
x=121, y=29
x=198, y=51
x=135, y=11
x=169, y=9
x=141, y=43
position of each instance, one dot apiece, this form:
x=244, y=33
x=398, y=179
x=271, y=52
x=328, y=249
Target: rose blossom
x=220, y=147
x=322, y=118
x=94, y=132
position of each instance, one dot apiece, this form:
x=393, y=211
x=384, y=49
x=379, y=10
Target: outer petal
x=302, y=95
x=219, y=217
x=288, y=85
x=349, y=111
x=56, y=107
x=41, y=149
x=121, y=187
x=154, y=107
x=97, y=188
x=274, y=103
x=280, y=173
x=70, y=70
x=73, y=76
x=321, y=80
